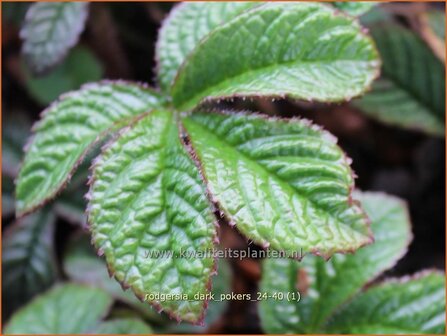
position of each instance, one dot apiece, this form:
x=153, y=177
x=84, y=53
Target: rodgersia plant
x=174, y=157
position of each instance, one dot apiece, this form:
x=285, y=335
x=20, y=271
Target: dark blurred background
x=118, y=43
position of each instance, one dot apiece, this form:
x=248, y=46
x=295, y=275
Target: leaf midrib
x=278, y=178
x=204, y=93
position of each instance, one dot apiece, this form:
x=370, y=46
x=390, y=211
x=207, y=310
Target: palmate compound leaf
x=28, y=260
x=411, y=305
x=68, y=129
x=285, y=184
x=50, y=30
x=411, y=90
x=185, y=26
x=302, y=50
x=65, y=309
x=146, y=198
x=324, y=286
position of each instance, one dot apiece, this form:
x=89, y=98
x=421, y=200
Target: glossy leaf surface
x=399, y=306
x=282, y=183
x=147, y=197
x=28, y=260
x=68, y=129
x=65, y=309
x=323, y=57
x=324, y=286
x=50, y=30
x=411, y=91
x=187, y=24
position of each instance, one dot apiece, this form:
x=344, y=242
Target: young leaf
x=65, y=309
x=147, y=197
x=412, y=305
x=283, y=183
x=354, y=8
x=68, y=129
x=80, y=67
x=50, y=30
x=411, y=91
x=322, y=56
x=186, y=25
x=124, y=326
x=28, y=258
x=324, y=285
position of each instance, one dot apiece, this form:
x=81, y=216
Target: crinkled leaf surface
x=320, y=56
x=80, y=67
x=354, y=8
x=324, y=286
x=123, y=326
x=216, y=308
x=82, y=265
x=65, y=309
x=411, y=91
x=28, y=258
x=186, y=25
x=147, y=197
x=68, y=129
x=50, y=30
x=283, y=183
x=399, y=306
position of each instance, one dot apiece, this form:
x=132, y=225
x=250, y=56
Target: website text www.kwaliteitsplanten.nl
x=227, y=253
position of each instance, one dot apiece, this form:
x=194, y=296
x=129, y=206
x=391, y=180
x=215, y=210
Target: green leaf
x=28, y=258
x=354, y=8
x=123, y=326
x=147, y=197
x=412, y=305
x=323, y=56
x=185, y=26
x=326, y=285
x=411, y=91
x=68, y=129
x=65, y=309
x=80, y=67
x=50, y=30
x=283, y=183
x=82, y=265
x=216, y=308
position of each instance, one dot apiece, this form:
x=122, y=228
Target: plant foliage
x=50, y=30
x=170, y=159
x=411, y=91
x=325, y=287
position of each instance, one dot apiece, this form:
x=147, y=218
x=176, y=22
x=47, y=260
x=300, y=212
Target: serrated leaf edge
x=307, y=122
x=112, y=273
x=71, y=43
x=209, y=99
x=51, y=196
